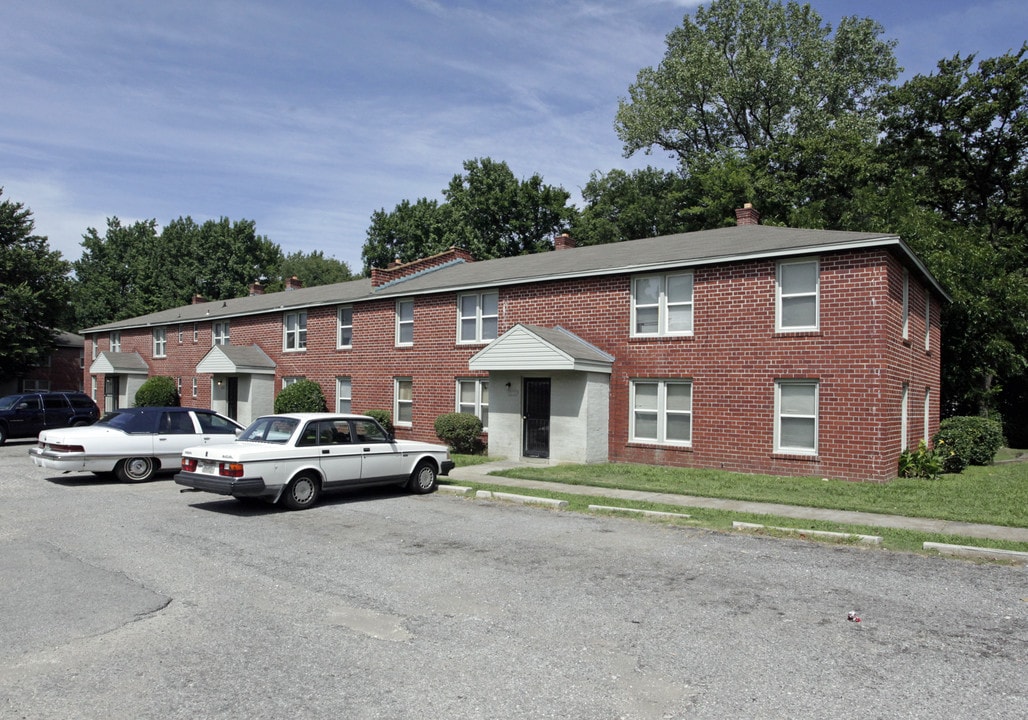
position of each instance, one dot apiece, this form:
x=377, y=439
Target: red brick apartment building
x=749, y=348
x=62, y=369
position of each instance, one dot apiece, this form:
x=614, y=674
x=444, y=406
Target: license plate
x=207, y=466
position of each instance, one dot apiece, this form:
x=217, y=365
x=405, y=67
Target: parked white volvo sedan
x=293, y=457
x=133, y=444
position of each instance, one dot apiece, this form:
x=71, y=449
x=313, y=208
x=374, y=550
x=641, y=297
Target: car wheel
x=424, y=478
x=3, y=434
x=136, y=469
x=302, y=492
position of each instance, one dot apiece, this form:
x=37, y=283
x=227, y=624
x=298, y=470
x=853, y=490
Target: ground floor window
x=403, y=403
x=661, y=411
x=473, y=397
x=796, y=416
x=344, y=394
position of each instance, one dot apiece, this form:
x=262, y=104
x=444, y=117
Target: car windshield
x=270, y=429
x=6, y=403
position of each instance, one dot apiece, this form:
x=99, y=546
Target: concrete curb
x=969, y=551
x=453, y=489
x=827, y=534
x=636, y=511
x=523, y=499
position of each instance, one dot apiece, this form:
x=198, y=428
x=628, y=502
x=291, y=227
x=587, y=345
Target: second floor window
x=405, y=322
x=797, y=291
x=160, y=342
x=662, y=305
x=478, y=317
x=219, y=333
x=115, y=341
x=345, y=337
x=294, y=330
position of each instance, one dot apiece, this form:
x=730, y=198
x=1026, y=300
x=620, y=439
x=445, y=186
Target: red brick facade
x=734, y=357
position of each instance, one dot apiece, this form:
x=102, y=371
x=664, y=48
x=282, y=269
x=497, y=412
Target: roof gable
x=530, y=347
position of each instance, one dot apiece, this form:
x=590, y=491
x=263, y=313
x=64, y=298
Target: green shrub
x=384, y=417
x=920, y=463
x=461, y=431
x=158, y=391
x=968, y=440
x=301, y=396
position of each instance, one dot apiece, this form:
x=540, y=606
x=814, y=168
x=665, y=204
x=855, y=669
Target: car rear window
x=211, y=423
x=82, y=403
x=129, y=421
x=55, y=402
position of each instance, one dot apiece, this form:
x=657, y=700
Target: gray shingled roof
x=729, y=244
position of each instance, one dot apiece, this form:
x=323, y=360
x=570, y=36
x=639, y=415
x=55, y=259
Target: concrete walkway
x=480, y=473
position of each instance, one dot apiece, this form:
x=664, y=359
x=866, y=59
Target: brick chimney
x=256, y=288
x=563, y=242
x=293, y=283
x=199, y=299
x=747, y=215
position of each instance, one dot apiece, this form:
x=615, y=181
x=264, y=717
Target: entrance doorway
x=536, y=429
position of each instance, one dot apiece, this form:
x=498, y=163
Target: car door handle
x=324, y=452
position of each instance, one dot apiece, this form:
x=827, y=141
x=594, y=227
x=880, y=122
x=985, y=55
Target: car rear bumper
x=236, y=487
x=446, y=467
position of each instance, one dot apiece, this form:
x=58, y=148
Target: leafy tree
x=487, y=211
x=228, y=256
x=34, y=291
x=313, y=269
x=628, y=206
x=957, y=143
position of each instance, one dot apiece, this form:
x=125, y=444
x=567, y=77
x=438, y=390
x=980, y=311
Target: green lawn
x=995, y=495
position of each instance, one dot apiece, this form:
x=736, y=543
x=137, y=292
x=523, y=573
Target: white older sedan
x=292, y=458
x=132, y=443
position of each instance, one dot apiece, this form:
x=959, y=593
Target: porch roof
x=531, y=347
x=232, y=359
x=119, y=363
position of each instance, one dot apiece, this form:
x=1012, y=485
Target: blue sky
x=307, y=116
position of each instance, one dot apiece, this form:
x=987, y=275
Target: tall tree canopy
x=487, y=211
x=956, y=145
x=34, y=291
x=628, y=206
x=312, y=269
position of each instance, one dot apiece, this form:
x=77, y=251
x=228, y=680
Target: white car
x=292, y=458
x=133, y=443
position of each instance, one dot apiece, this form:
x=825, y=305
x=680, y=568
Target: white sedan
x=293, y=457
x=132, y=443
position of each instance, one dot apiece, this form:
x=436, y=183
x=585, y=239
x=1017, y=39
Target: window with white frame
x=294, y=331
x=344, y=395
x=661, y=412
x=662, y=305
x=115, y=341
x=796, y=416
x=290, y=379
x=797, y=295
x=403, y=403
x=904, y=414
x=405, y=322
x=344, y=335
x=927, y=320
x=906, y=304
x=178, y=386
x=196, y=332
x=92, y=347
x=219, y=333
x=180, y=334
x=927, y=414
x=196, y=387
x=473, y=397
x=160, y=342
x=477, y=317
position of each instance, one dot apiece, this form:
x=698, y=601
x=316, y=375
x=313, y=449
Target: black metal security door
x=537, y=417
x=233, y=398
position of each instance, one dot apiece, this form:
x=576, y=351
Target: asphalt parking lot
x=138, y=601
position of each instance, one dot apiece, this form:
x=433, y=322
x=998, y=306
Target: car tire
x=3, y=434
x=424, y=479
x=301, y=492
x=135, y=469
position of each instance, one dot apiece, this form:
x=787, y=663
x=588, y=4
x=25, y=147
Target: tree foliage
x=312, y=268
x=157, y=391
x=34, y=291
x=628, y=206
x=487, y=211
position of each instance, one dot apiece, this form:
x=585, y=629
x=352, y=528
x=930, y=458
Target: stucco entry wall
x=579, y=412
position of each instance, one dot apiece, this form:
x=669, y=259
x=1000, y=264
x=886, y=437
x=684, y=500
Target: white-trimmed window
x=478, y=317
x=180, y=334
x=92, y=347
x=294, y=331
x=344, y=394
x=219, y=333
x=403, y=402
x=196, y=332
x=796, y=416
x=344, y=332
x=661, y=412
x=927, y=320
x=115, y=341
x=473, y=397
x=290, y=379
x=904, y=415
x=160, y=342
x=797, y=295
x=662, y=305
x=906, y=304
x=178, y=386
x=927, y=414
x=404, y=322
x=196, y=387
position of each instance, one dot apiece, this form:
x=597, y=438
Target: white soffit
x=231, y=360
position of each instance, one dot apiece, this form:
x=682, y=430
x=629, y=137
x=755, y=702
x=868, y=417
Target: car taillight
x=228, y=469
x=67, y=448
x=189, y=464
